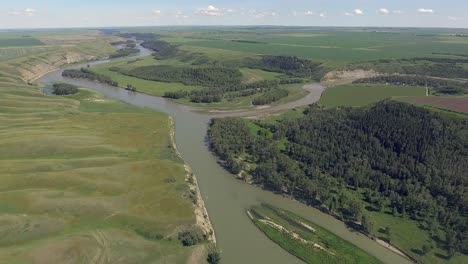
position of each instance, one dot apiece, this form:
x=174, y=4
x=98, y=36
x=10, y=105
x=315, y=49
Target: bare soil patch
x=335, y=78
x=459, y=104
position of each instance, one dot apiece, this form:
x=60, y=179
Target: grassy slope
x=364, y=94
x=60, y=48
x=80, y=174
x=336, y=250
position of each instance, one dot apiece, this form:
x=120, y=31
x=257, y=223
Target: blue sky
x=98, y=13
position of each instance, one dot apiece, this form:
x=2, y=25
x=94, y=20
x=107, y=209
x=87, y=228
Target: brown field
x=458, y=104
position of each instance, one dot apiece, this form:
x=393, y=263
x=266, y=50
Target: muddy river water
x=225, y=197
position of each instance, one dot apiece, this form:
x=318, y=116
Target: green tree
x=367, y=224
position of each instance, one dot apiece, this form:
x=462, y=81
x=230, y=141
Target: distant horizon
x=231, y=26
x=20, y=14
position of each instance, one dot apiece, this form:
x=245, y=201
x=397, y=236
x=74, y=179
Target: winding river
x=225, y=197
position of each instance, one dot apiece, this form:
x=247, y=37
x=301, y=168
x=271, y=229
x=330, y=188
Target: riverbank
x=201, y=214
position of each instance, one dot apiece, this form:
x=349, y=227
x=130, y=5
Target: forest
x=163, y=50
x=435, y=67
x=64, y=89
x=438, y=85
x=87, y=74
x=270, y=97
x=398, y=158
x=289, y=65
x=124, y=52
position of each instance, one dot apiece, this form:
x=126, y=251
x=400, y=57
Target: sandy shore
x=201, y=214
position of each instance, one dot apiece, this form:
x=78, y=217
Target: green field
x=20, y=42
x=305, y=240
x=364, y=94
x=333, y=46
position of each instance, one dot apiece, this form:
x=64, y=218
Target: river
x=225, y=197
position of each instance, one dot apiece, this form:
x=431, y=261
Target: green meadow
x=364, y=94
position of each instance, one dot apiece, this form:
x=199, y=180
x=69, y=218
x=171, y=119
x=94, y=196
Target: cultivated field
x=459, y=104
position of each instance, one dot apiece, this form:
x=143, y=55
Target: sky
x=114, y=13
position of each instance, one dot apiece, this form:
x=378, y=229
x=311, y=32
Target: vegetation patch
x=124, y=52
x=305, y=240
x=88, y=74
x=64, y=89
x=163, y=50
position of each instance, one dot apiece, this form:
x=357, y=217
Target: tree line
x=436, y=67
x=163, y=50
x=438, y=85
x=289, y=65
x=88, y=74
x=408, y=162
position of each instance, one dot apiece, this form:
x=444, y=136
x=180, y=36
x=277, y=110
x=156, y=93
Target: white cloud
x=259, y=14
x=425, y=11
x=358, y=12
x=397, y=12
x=210, y=11
x=355, y=12
x=384, y=11
x=156, y=12
x=180, y=14
x=28, y=12
x=322, y=15
x=309, y=13
x=455, y=18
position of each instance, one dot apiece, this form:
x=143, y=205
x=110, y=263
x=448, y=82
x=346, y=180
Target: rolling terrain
x=85, y=179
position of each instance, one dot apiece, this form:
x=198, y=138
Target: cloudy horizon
x=353, y=13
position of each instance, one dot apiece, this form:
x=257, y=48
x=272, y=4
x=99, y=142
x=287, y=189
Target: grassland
x=87, y=179
x=20, y=42
x=305, y=240
x=364, y=94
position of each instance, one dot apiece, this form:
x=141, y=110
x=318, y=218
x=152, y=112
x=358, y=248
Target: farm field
x=334, y=47
x=457, y=104
x=364, y=94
